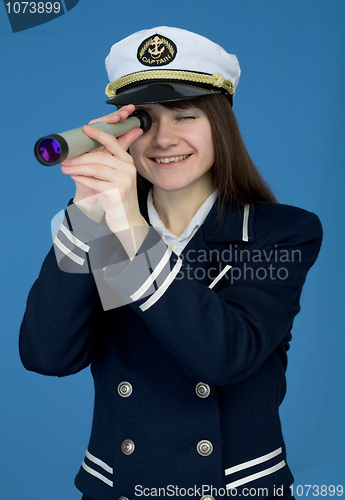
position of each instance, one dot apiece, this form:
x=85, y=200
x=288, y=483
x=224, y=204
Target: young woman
x=177, y=276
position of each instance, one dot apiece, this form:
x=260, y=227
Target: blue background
x=290, y=107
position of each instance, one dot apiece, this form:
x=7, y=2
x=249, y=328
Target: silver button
x=128, y=447
x=124, y=389
x=202, y=390
x=207, y=497
x=204, y=448
x=123, y=498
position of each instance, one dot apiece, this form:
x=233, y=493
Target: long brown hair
x=234, y=174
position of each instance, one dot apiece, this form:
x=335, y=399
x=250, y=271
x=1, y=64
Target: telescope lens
x=50, y=150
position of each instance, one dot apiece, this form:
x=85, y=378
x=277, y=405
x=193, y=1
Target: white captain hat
x=168, y=64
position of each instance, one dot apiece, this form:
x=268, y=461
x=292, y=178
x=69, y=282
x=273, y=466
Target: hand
x=106, y=178
x=85, y=196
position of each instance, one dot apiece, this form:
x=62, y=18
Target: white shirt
x=177, y=243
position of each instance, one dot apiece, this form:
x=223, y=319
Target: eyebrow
x=142, y=106
x=177, y=108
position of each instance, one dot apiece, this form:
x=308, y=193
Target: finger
x=117, y=147
x=96, y=185
x=127, y=139
x=119, y=114
x=116, y=116
x=97, y=171
x=97, y=158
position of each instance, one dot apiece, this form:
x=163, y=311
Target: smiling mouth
x=171, y=159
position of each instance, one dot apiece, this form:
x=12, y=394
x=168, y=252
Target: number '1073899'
x=33, y=7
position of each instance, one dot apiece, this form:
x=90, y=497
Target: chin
x=172, y=186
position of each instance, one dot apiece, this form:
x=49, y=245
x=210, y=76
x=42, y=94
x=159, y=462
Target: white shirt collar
x=177, y=243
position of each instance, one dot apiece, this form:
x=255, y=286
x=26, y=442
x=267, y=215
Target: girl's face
x=177, y=152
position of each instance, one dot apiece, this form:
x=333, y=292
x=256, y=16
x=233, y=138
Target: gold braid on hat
x=217, y=79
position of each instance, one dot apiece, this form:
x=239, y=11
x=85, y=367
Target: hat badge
x=156, y=51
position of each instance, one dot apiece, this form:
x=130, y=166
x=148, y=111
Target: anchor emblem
x=156, y=52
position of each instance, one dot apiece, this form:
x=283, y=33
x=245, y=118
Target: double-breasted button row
x=204, y=448
x=202, y=390
x=124, y=389
x=127, y=447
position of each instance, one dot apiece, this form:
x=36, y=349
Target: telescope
x=55, y=148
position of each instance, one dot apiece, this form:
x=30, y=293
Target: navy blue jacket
x=190, y=371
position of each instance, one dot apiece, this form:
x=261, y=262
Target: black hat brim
x=160, y=92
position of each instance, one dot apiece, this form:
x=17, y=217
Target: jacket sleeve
x=223, y=334
x=57, y=332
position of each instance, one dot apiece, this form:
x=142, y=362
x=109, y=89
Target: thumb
x=127, y=139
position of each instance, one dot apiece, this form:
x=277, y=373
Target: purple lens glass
x=50, y=150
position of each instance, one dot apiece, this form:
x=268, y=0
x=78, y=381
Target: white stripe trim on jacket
x=97, y=474
x=253, y=463
x=263, y=473
x=99, y=462
x=245, y=223
x=68, y=252
x=149, y=282
x=78, y=243
x=164, y=286
x=220, y=276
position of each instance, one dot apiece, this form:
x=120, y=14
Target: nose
x=165, y=133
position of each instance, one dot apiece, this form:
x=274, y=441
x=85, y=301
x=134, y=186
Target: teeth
x=171, y=159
